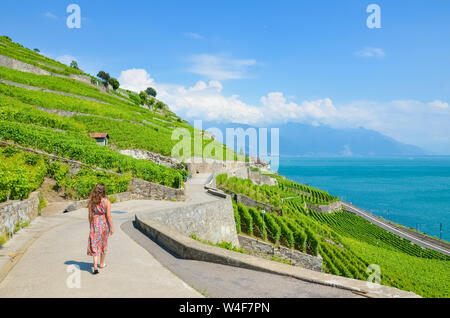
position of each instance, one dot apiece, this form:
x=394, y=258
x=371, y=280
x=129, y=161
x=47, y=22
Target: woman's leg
x=102, y=260
x=95, y=262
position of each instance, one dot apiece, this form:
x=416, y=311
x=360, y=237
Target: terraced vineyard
x=275, y=195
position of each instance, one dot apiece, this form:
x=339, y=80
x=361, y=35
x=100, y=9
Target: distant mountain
x=307, y=140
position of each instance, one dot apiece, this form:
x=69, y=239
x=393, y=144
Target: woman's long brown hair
x=98, y=193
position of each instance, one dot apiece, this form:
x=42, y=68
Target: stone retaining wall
x=232, y=168
x=15, y=211
x=154, y=157
x=245, y=200
x=329, y=208
x=260, y=179
x=211, y=221
x=21, y=66
x=81, y=204
x=263, y=249
x=142, y=189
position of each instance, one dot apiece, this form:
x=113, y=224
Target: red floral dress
x=98, y=235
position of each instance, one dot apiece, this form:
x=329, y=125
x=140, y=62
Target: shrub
x=237, y=218
x=313, y=242
x=259, y=228
x=287, y=236
x=114, y=83
x=273, y=229
x=246, y=219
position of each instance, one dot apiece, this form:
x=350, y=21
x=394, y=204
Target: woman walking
x=101, y=225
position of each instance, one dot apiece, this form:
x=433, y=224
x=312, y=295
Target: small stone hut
x=101, y=138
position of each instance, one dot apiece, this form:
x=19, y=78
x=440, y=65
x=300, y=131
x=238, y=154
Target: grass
x=42, y=204
x=4, y=238
x=20, y=225
x=225, y=245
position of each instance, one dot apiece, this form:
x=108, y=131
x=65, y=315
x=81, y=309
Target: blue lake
x=412, y=191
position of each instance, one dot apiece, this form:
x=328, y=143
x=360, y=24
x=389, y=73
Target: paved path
x=137, y=267
x=383, y=224
x=216, y=280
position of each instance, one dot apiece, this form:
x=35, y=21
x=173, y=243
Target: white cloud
x=371, y=52
x=438, y=104
x=193, y=35
x=420, y=123
x=50, y=15
x=219, y=67
x=136, y=80
x=66, y=59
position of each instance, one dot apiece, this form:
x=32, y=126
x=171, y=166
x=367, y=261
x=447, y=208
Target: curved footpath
x=37, y=262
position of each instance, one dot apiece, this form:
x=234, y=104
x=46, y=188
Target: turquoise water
x=412, y=191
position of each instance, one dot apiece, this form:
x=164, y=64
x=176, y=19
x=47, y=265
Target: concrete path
x=216, y=280
x=44, y=255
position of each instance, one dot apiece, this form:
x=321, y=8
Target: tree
x=114, y=83
x=160, y=105
x=105, y=77
x=151, y=91
x=143, y=96
x=74, y=64
x=37, y=50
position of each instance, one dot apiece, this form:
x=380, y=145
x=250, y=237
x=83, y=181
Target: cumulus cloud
x=371, y=52
x=421, y=123
x=219, y=67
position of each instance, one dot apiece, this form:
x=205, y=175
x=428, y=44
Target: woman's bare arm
x=90, y=214
x=109, y=217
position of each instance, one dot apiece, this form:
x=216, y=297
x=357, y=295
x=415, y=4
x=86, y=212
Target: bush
x=246, y=219
x=259, y=228
x=237, y=218
x=287, y=236
x=273, y=229
x=20, y=174
x=300, y=240
x=221, y=179
x=313, y=242
x=114, y=83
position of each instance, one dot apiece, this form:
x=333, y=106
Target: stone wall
x=232, y=168
x=12, y=212
x=142, y=189
x=81, y=78
x=211, y=221
x=262, y=249
x=245, y=200
x=81, y=204
x=260, y=179
x=21, y=66
x=329, y=208
x=154, y=157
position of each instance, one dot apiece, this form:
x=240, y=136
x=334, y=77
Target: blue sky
x=264, y=62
